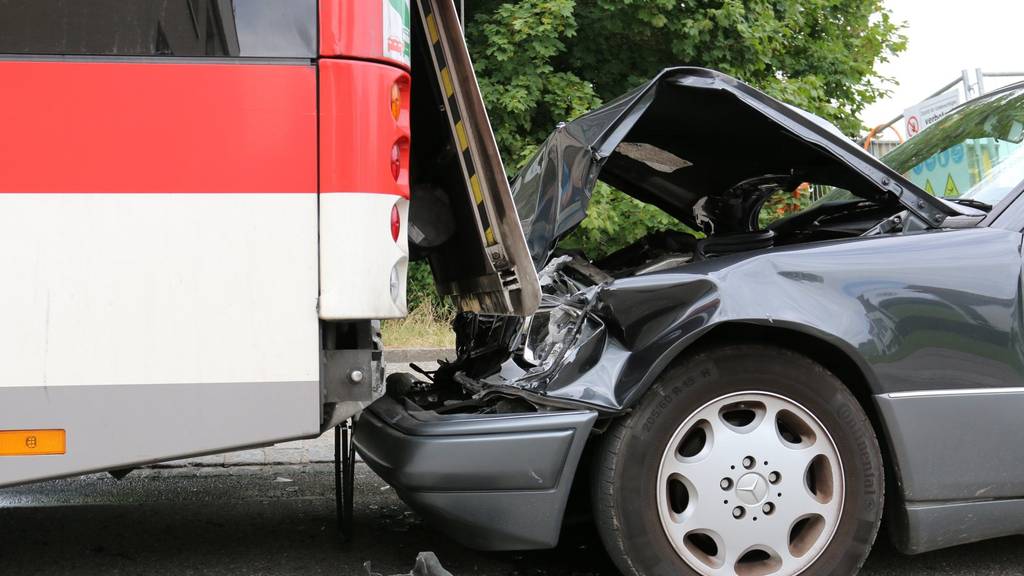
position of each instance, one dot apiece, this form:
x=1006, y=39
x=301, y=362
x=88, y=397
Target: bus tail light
x=396, y=284
x=396, y=223
x=396, y=161
x=396, y=101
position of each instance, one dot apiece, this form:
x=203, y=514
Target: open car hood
x=700, y=145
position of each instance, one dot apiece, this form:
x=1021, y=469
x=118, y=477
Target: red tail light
x=396, y=160
x=396, y=223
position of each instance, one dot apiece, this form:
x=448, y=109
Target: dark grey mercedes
x=741, y=394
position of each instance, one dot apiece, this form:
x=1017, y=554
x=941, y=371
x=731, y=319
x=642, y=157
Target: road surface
x=278, y=520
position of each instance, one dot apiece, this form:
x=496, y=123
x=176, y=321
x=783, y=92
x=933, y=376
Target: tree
x=519, y=51
x=816, y=54
x=544, y=61
x=541, y=62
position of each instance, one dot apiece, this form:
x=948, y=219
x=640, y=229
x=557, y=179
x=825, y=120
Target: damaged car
x=744, y=398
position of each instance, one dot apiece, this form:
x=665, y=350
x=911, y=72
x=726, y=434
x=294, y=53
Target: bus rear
x=184, y=227
x=205, y=208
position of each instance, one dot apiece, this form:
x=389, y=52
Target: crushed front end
x=476, y=440
x=487, y=446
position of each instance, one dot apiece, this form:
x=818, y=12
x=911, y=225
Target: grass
x=425, y=327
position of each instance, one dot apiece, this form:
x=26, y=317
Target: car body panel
x=920, y=528
x=901, y=307
x=956, y=444
x=495, y=482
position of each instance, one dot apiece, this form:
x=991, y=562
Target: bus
x=206, y=206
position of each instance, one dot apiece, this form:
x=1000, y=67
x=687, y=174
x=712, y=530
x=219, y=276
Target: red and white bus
x=204, y=204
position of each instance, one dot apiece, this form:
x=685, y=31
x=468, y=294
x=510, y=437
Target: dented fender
x=879, y=301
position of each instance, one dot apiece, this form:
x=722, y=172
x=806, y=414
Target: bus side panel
x=364, y=190
x=376, y=30
x=158, y=276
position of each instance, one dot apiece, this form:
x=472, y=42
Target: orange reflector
x=396, y=101
x=31, y=442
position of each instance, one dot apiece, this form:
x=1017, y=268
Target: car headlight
x=548, y=333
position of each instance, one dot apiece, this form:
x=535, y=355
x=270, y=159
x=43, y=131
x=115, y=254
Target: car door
x=953, y=416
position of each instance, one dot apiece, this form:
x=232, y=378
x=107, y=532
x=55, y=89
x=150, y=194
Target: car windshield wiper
x=972, y=203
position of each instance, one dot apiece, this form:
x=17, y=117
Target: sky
x=945, y=37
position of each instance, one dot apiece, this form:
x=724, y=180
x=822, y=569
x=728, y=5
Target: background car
x=740, y=394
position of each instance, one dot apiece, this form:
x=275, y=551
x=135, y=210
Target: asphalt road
x=279, y=520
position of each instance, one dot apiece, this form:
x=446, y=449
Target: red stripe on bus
x=110, y=127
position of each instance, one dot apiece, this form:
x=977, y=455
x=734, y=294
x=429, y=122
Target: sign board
x=397, y=24
x=951, y=172
x=956, y=170
x=926, y=113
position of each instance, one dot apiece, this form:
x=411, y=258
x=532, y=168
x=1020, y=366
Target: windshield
x=975, y=152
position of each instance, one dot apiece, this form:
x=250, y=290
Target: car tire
x=752, y=416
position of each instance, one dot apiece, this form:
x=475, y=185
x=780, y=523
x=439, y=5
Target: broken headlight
x=548, y=333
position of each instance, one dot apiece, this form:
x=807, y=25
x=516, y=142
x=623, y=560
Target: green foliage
x=420, y=291
x=544, y=61
x=615, y=220
x=516, y=48
x=784, y=203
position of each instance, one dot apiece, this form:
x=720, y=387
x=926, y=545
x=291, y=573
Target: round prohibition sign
x=913, y=125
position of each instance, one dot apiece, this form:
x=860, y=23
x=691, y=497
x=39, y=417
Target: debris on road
x=427, y=564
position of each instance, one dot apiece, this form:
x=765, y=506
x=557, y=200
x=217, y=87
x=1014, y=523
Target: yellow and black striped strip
x=459, y=128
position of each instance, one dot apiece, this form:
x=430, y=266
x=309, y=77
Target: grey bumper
x=492, y=482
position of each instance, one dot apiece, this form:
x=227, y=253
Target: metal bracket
x=351, y=370
x=350, y=375
x=344, y=478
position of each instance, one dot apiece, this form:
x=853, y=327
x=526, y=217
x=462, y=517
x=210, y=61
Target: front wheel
x=743, y=460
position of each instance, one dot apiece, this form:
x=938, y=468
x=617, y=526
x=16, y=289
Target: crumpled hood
x=700, y=145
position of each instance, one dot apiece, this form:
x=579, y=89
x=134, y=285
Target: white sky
x=945, y=37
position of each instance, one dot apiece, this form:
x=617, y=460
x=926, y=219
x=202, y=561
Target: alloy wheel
x=750, y=484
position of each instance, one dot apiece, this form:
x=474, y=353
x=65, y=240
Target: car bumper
x=492, y=482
